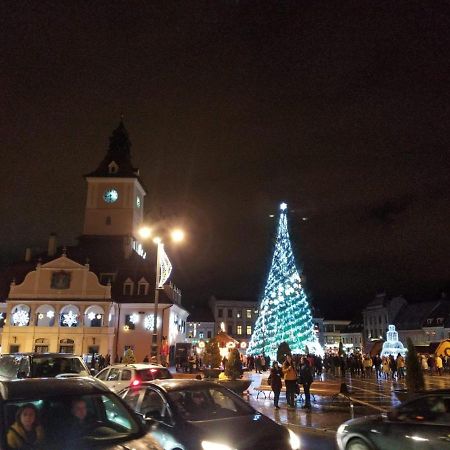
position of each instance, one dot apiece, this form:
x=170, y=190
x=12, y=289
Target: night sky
x=341, y=109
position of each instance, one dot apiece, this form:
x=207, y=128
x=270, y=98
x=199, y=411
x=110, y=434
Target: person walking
x=400, y=366
x=290, y=380
x=306, y=379
x=424, y=363
x=276, y=374
x=438, y=364
x=258, y=366
x=386, y=367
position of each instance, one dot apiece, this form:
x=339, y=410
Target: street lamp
x=163, y=269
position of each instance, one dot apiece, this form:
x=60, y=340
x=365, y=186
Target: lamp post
x=163, y=269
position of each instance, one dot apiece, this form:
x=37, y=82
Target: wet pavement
x=329, y=410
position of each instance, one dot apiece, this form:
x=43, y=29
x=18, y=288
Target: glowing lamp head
x=177, y=235
x=283, y=206
x=157, y=240
x=145, y=232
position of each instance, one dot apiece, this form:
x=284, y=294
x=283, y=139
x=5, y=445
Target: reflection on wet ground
x=368, y=396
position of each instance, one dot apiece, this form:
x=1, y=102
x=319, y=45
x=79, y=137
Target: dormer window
x=440, y=320
x=142, y=286
x=113, y=167
x=128, y=287
x=429, y=321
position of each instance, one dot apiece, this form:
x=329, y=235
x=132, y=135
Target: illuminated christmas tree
x=284, y=311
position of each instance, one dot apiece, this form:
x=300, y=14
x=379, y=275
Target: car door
x=112, y=378
x=153, y=405
x=124, y=379
x=103, y=375
x=422, y=423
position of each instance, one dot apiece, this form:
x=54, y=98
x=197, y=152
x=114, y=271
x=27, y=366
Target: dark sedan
x=420, y=423
x=202, y=415
x=68, y=414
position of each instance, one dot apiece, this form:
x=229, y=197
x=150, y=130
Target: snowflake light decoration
x=91, y=316
x=21, y=318
x=1, y=316
x=134, y=318
x=70, y=319
x=50, y=314
x=148, y=322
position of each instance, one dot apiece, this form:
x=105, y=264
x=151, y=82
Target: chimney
x=28, y=254
x=51, y=245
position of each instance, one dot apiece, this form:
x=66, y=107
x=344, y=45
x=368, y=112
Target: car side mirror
x=93, y=372
x=21, y=374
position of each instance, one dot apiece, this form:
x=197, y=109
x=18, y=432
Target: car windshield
x=208, y=404
x=49, y=366
x=152, y=374
x=77, y=421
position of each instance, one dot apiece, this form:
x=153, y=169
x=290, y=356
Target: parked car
x=119, y=376
x=420, y=423
x=41, y=365
x=108, y=422
x=192, y=414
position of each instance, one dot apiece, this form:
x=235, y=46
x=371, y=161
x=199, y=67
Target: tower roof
x=117, y=162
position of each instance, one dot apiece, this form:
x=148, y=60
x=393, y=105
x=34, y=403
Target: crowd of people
x=386, y=367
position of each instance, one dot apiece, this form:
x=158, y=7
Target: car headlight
x=208, y=445
x=341, y=430
x=294, y=440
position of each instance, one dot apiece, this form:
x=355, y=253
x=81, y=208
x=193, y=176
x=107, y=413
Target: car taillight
x=135, y=382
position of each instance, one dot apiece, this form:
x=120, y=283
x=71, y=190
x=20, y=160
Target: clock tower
x=115, y=194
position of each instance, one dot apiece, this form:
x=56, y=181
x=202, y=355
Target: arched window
x=69, y=316
x=93, y=316
x=20, y=316
x=45, y=316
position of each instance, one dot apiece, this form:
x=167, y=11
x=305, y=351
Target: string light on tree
x=284, y=312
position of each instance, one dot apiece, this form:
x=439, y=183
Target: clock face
x=138, y=201
x=110, y=195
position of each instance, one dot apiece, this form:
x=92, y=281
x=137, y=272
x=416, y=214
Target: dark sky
x=339, y=108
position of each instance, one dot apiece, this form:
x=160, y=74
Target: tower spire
x=117, y=161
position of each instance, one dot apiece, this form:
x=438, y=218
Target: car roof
x=138, y=366
x=50, y=387
x=180, y=384
x=70, y=355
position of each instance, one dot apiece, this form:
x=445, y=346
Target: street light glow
x=177, y=235
x=145, y=232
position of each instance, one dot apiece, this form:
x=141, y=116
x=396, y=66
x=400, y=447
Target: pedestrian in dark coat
x=306, y=379
x=276, y=374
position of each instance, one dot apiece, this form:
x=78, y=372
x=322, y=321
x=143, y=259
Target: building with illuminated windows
x=235, y=317
x=97, y=296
